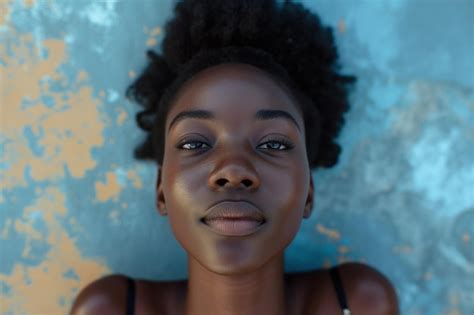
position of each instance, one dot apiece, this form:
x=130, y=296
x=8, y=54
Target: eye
x=191, y=145
x=277, y=144
x=274, y=144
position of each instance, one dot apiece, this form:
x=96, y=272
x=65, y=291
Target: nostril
x=247, y=182
x=221, y=181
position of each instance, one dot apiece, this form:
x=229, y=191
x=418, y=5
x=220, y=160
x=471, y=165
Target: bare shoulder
x=104, y=296
x=368, y=290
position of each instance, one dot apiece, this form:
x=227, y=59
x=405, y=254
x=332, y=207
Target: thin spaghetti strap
x=341, y=296
x=130, y=296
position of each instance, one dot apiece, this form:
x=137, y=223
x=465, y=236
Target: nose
x=234, y=174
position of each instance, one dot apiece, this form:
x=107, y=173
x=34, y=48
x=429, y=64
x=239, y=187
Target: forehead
x=233, y=90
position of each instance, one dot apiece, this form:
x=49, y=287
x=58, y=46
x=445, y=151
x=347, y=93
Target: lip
x=234, y=218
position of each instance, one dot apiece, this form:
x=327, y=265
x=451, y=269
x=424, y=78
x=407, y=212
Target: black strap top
x=334, y=272
x=130, y=296
x=341, y=296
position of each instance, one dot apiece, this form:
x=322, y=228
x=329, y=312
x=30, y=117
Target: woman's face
x=229, y=153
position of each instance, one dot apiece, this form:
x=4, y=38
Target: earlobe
x=160, y=198
x=308, y=208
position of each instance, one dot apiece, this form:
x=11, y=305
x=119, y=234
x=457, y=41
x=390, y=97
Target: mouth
x=234, y=218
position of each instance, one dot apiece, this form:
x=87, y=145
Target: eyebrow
x=263, y=114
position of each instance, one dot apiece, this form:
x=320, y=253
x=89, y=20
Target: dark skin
x=236, y=155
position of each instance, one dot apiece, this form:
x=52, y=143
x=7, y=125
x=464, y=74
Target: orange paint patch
x=453, y=304
x=110, y=189
x=28, y=294
x=151, y=41
x=4, y=11
x=136, y=181
x=343, y=249
x=341, y=26
x=28, y=3
x=82, y=76
x=121, y=117
x=155, y=31
x=466, y=237
x=65, y=124
x=330, y=233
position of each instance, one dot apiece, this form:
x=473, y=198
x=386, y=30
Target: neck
x=256, y=292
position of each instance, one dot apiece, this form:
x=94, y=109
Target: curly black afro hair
x=284, y=39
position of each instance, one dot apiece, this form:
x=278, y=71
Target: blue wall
x=75, y=205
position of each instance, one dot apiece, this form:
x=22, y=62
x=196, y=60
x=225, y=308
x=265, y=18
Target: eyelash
x=284, y=142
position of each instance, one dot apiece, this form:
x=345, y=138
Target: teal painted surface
x=401, y=198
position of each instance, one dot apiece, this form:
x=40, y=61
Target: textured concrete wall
x=75, y=205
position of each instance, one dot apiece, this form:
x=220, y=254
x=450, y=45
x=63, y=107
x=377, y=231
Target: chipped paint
x=121, y=117
x=151, y=42
x=341, y=26
x=29, y=3
x=110, y=189
x=27, y=294
x=136, y=181
x=45, y=133
x=330, y=233
x=4, y=11
x=343, y=249
x=453, y=304
x=71, y=190
x=65, y=128
x=152, y=34
x=155, y=31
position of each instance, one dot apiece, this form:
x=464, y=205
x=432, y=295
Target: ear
x=160, y=197
x=308, y=208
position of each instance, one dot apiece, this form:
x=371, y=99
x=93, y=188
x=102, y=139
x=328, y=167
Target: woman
x=243, y=103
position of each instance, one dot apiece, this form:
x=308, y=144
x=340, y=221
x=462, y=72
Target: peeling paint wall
x=75, y=205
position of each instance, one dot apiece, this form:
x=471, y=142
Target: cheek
x=183, y=205
x=290, y=188
x=289, y=199
x=182, y=188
